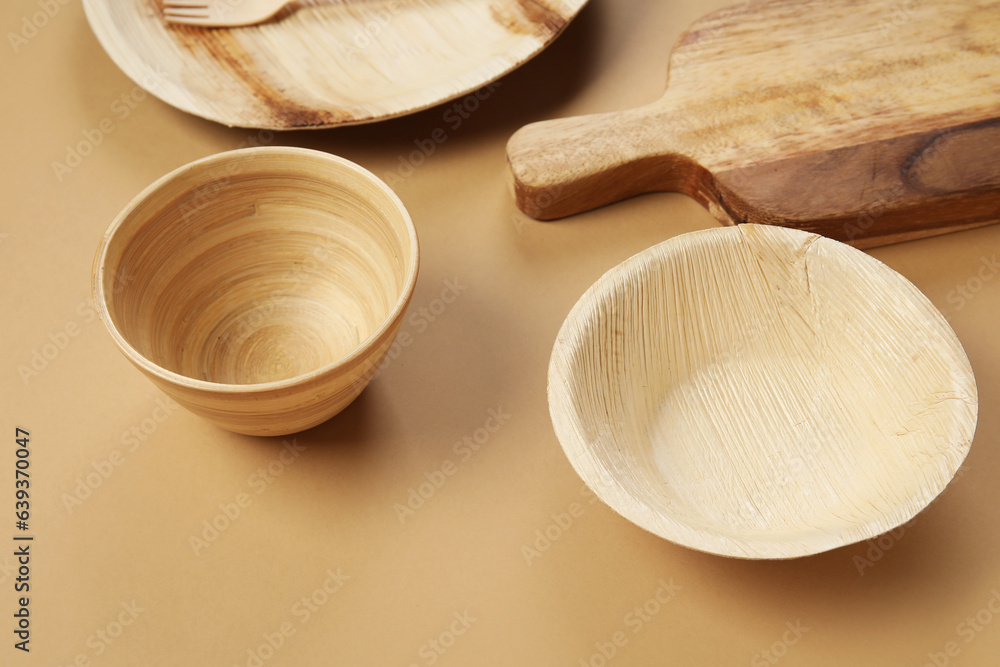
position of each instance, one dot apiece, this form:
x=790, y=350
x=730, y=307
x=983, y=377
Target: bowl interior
x=253, y=268
x=761, y=392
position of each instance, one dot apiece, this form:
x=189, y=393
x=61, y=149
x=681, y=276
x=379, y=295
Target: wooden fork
x=222, y=13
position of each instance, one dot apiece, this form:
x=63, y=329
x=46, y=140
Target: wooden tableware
x=260, y=288
x=329, y=63
x=761, y=392
x=868, y=121
x=224, y=13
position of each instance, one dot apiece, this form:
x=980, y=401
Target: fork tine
x=199, y=4
x=177, y=20
x=177, y=16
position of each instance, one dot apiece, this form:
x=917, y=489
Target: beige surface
x=493, y=290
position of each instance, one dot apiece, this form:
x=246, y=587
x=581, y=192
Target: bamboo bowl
x=259, y=288
x=761, y=392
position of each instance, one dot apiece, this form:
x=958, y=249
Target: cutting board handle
x=570, y=165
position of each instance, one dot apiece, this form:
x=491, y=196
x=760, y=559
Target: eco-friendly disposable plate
x=761, y=392
x=328, y=63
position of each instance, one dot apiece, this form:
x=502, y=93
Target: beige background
x=901, y=600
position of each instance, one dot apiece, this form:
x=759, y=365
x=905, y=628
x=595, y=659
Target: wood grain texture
x=761, y=392
x=854, y=119
x=260, y=288
x=327, y=63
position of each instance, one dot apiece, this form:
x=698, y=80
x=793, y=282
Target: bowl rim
x=577, y=446
x=154, y=369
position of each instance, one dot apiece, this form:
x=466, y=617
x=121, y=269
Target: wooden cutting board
x=868, y=121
